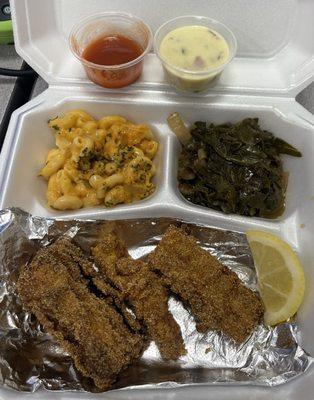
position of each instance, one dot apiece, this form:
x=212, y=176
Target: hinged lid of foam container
x=275, y=40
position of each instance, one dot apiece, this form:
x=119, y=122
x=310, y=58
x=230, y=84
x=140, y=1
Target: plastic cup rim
x=187, y=71
x=115, y=66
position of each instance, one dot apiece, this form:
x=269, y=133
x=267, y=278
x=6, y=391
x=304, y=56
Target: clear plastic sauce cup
x=189, y=80
x=111, y=24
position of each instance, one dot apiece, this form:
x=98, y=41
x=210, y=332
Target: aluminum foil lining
x=30, y=358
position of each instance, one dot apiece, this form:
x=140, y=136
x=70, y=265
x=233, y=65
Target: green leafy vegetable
x=235, y=168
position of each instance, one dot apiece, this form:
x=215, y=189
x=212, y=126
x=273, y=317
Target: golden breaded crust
x=148, y=298
x=216, y=296
x=89, y=329
x=112, y=249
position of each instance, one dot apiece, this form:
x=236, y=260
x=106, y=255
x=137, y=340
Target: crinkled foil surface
x=30, y=358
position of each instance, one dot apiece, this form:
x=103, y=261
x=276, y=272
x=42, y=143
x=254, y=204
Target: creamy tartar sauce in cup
x=195, y=48
x=194, y=51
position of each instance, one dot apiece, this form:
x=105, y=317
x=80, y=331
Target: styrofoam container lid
x=275, y=61
x=275, y=40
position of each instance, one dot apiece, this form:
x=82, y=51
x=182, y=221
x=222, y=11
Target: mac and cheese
x=108, y=161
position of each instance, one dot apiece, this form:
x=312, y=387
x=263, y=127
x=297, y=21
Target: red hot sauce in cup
x=113, y=51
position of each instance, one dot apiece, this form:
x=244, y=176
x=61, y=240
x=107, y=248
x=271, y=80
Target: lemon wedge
x=280, y=276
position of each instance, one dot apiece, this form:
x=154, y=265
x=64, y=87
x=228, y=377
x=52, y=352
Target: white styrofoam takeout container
x=275, y=61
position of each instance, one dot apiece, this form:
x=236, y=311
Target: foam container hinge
x=275, y=61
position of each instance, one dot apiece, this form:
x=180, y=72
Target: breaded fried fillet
x=143, y=290
x=215, y=295
x=117, y=299
x=70, y=253
x=88, y=328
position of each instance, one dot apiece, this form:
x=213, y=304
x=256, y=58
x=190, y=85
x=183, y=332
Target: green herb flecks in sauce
x=194, y=48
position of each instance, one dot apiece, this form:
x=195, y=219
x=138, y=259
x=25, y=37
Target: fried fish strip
x=70, y=253
x=143, y=290
x=115, y=297
x=88, y=328
x=216, y=296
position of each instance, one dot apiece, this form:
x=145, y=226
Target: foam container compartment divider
x=275, y=61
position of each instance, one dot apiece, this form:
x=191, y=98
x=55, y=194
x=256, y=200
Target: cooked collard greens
x=235, y=168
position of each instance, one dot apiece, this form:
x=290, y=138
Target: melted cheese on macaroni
x=106, y=161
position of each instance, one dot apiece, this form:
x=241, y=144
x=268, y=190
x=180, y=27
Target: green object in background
x=6, y=32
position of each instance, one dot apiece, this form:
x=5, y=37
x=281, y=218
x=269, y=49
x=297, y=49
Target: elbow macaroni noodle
x=107, y=162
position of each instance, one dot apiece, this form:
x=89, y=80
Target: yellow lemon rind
x=292, y=263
